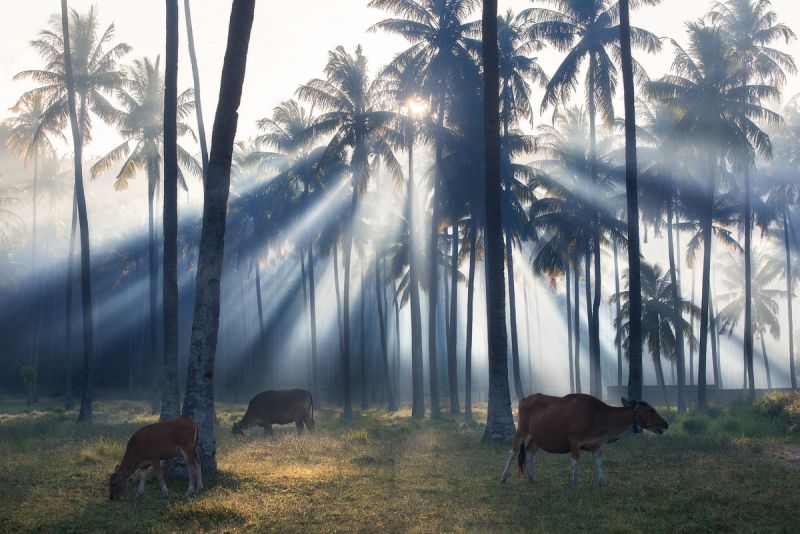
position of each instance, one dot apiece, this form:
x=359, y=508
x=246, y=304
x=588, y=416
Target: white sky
x=289, y=44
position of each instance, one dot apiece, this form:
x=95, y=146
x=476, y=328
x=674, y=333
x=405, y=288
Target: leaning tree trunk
x=787, y=249
x=199, y=399
x=567, y=275
x=452, y=353
x=69, y=402
x=470, y=314
x=198, y=108
x=677, y=317
x=170, y=389
x=87, y=389
x=632, y=197
x=390, y=403
x=499, y=421
x=748, y=286
x=766, y=359
x=512, y=301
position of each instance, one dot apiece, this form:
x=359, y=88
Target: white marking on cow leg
x=191, y=469
x=574, y=481
x=511, y=454
x=142, y=479
x=529, y=464
x=598, y=463
x=160, y=474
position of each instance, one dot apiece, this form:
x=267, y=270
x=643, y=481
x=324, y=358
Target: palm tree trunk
x=715, y=343
x=153, y=274
x=396, y=306
x=417, y=378
x=617, y=342
x=567, y=275
x=677, y=317
x=512, y=301
x=788, y=251
x=361, y=338
x=499, y=421
x=262, y=337
x=766, y=359
x=338, y=305
x=748, y=284
x=198, y=107
x=87, y=389
x=587, y=287
x=452, y=347
x=306, y=321
x=660, y=374
x=433, y=283
x=312, y=304
x=170, y=390
x=705, y=291
x=531, y=386
x=470, y=317
x=390, y=403
x=68, y=400
x=199, y=398
x=632, y=197
x=348, y=249
x=36, y=302
x=595, y=374
x=691, y=325
x=577, y=329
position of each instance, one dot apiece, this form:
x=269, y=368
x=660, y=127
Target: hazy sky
x=289, y=43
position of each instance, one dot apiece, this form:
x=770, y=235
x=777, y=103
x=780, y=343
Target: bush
x=715, y=409
x=783, y=407
x=695, y=425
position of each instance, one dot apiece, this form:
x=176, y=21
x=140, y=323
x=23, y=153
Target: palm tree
x=140, y=124
x=499, y=421
x=717, y=109
x=751, y=28
x=438, y=58
x=170, y=388
x=29, y=136
x=589, y=31
x=763, y=299
x=199, y=399
x=201, y=126
x=658, y=320
x=354, y=119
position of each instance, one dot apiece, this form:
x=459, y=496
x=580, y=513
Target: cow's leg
x=575, y=453
x=268, y=428
x=142, y=479
x=191, y=467
x=299, y=424
x=598, y=463
x=309, y=421
x=530, y=448
x=511, y=455
x=198, y=473
x=160, y=474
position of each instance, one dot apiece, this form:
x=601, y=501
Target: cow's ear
x=626, y=403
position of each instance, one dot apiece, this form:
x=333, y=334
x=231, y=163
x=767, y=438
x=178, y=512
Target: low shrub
x=783, y=407
x=695, y=425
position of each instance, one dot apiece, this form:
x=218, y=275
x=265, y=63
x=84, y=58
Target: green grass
x=390, y=473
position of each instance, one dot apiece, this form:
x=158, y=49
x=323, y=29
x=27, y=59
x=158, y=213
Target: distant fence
x=655, y=395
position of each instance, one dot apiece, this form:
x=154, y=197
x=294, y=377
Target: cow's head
x=116, y=483
x=645, y=417
x=238, y=429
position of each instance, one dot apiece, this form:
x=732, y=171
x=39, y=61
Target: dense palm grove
x=356, y=250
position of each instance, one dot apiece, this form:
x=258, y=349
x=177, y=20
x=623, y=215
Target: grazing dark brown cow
x=278, y=408
x=574, y=423
x=153, y=443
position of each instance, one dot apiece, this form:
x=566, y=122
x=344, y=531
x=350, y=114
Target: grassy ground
x=389, y=473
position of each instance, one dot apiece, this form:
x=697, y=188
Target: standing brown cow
x=278, y=408
x=574, y=423
x=153, y=443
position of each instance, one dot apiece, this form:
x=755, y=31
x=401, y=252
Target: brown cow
x=153, y=443
x=278, y=408
x=574, y=423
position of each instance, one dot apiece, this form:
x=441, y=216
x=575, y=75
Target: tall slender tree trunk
x=338, y=307
x=705, y=291
x=153, y=278
x=361, y=337
x=306, y=320
x=390, y=402
x=528, y=347
x=577, y=319
x=312, y=304
x=452, y=342
x=677, y=316
x=595, y=372
x=433, y=282
x=470, y=319
x=87, y=389
x=512, y=301
x=199, y=398
x=36, y=302
x=567, y=275
x=660, y=375
x=748, y=284
x=712, y=324
x=691, y=325
x=788, y=251
x=198, y=107
x=417, y=378
x=396, y=306
x=347, y=411
x=766, y=359
x=499, y=421
x=587, y=287
x=170, y=389
x=68, y=400
x=617, y=342
x=262, y=336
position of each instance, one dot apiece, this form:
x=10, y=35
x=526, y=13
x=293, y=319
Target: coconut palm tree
x=589, y=32
x=199, y=399
x=355, y=119
x=140, y=123
x=717, y=109
x=198, y=107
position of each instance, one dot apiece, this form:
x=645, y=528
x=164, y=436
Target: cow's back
x=553, y=419
x=278, y=407
x=162, y=437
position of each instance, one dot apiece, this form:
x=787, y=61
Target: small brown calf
x=153, y=443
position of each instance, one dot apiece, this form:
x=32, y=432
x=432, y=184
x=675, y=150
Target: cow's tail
x=311, y=407
x=521, y=457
